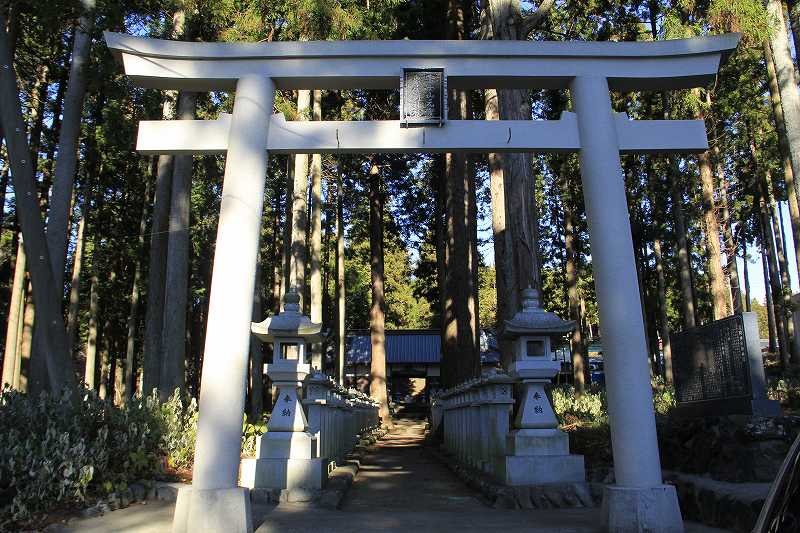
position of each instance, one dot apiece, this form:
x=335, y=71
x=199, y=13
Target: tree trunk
x=377, y=385
x=340, y=288
x=316, y=238
x=61, y=198
x=783, y=145
x=48, y=294
x=256, y=373
x=287, y=229
x=154, y=315
x=520, y=267
x=682, y=243
x=783, y=269
x=176, y=280
x=26, y=338
x=746, y=268
x=499, y=233
x=577, y=343
x=787, y=87
x=712, y=234
x=730, y=245
x=90, y=373
x=278, y=245
x=663, y=319
x=768, y=302
x=461, y=350
x=133, y=311
x=11, y=354
x=75, y=285
x=774, y=277
x=297, y=266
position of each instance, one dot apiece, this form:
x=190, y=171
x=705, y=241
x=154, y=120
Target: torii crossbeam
x=639, y=500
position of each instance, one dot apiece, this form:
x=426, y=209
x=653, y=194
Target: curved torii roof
x=670, y=64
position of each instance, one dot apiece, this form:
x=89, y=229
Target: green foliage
x=58, y=450
x=178, y=419
x=787, y=391
x=589, y=408
x=64, y=450
x=250, y=434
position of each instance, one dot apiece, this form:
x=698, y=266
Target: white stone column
x=215, y=503
x=639, y=501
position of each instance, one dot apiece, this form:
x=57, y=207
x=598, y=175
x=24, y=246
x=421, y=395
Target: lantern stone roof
x=533, y=320
x=288, y=323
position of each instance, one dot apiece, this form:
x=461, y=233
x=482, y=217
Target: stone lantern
x=538, y=452
x=286, y=455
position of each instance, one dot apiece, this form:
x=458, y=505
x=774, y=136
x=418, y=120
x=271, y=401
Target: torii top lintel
x=654, y=65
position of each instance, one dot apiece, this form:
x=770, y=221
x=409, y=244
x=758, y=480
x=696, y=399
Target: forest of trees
x=110, y=284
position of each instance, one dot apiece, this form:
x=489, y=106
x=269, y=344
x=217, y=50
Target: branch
x=535, y=19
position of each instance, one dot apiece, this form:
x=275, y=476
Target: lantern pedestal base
x=516, y=470
x=285, y=460
x=525, y=442
x=284, y=473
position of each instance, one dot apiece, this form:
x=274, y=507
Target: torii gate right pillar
x=639, y=501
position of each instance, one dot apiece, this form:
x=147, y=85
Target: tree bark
x=90, y=372
x=133, y=311
x=768, y=301
x=61, y=198
x=520, y=267
x=730, y=245
x=783, y=269
x=377, y=385
x=176, y=280
x=154, y=315
x=746, y=273
x=774, y=277
x=75, y=285
x=47, y=295
x=577, y=342
x=340, y=287
x=297, y=267
x=461, y=350
x=286, y=277
x=712, y=233
x=783, y=145
x=663, y=319
x=316, y=238
x=11, y=354
x=787, y=85
x=256, y=374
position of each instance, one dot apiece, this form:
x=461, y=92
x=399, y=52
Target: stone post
x=215, y=503
x=639, y=501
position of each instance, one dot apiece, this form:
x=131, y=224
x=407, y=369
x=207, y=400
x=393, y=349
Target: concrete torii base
x=635, y=509
x=213, y=510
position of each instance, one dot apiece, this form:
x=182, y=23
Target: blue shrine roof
x=406, y=346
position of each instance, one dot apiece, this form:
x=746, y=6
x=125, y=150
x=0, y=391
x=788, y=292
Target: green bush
x=178, y=418
x=787, y=391
x=59, y=450
x=63, y=450
x=588, y=408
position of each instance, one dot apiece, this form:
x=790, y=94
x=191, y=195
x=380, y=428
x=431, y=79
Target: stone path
x=399, y=488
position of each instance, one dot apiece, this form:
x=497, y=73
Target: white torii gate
x=639, y=500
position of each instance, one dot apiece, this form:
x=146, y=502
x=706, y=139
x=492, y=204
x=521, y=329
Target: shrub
x=178, y=418
x=58, y=449
x=588, y=408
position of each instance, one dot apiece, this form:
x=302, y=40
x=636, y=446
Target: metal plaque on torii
x=423, y=97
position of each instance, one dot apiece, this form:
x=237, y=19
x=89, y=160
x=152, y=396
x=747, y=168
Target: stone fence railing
x=475, y=421
x=475, y=417
x=302, y=453
x=337, y=416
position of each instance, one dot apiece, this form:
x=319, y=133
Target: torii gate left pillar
x=215, y=502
